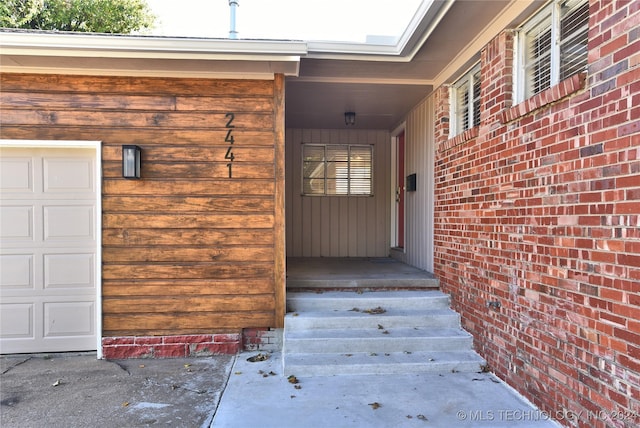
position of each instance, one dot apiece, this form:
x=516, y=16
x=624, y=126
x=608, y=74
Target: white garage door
x=47, y=250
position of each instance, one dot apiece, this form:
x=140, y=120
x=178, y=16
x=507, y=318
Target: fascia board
x=111, y=46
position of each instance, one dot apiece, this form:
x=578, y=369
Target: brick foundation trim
x=193, y=345
x=198, y=345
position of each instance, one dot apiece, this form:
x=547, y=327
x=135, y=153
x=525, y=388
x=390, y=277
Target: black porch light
x=131, y=161
x=350, y=118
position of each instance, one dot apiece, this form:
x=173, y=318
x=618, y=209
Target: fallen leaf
x=238, y=373
x=354, y=310
x=141, y=366
x=296, y=314
x=385, y=332
x=259, y=357
x=409, y=417
x=373, y=354
x=375, y=405
x=297, y=386
x=375, y=311
x=186, y=366
x=380, y=327
x=57, y=383
x=272, y=374
x=125, y=404
x=292, y=379
x=422, y=417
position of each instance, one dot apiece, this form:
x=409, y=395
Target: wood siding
x=419, y=155
x=338, y=226
x=186, y=249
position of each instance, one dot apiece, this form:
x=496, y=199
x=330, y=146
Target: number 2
x=231, y=116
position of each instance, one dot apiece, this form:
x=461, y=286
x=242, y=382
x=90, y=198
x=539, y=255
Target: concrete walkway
x=257, y=395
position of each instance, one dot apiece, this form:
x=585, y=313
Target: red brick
x=126, y=351
x=207, y=349
x=196, y=338
x=107, y=341
x=170, y=351
x=149, y=340
x=226, y=338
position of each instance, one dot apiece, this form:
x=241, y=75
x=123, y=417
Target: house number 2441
x=229, y=139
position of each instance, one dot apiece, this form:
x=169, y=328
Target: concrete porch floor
x=355, y=272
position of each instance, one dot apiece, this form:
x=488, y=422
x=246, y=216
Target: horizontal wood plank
x=40, y=100
x=186, y=221
x=173, y=323
x=134, y=85
x=187, y=204
x=190, y=304
x=150, y=137
x=180, y=188
x=187, y=271
x=127, y=288
x=195, y=170
x=187, y=254
x=224, y=104
x=134, y=119
x=212, y=153
x=126, y=237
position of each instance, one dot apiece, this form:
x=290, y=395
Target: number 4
x=229, y=154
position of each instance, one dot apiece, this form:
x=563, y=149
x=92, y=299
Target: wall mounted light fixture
x=349, y=118
x=131, y=161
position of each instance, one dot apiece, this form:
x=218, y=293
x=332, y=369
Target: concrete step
x=348, y=300
x=376, y=340
x=392, y=318
x=350, y=283
x=367, y=363
x=374, y=332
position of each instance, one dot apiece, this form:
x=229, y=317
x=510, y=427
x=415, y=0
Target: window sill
x=556, y=93
x=461, y=138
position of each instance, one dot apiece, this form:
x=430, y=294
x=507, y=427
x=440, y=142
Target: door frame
x=393, y=186
x=97, y=147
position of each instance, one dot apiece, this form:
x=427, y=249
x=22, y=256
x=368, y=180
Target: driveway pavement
x=77, y=390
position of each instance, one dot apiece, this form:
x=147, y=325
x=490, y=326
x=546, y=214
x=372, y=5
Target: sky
x=310, y=20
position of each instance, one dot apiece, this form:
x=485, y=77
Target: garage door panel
x=69, y=222
x=65, y=175
x=16, y=174
x=16, y=272
x=17, y=321
x=16, y=222
x=69, y=271
x=48, y=253
x=69, y=319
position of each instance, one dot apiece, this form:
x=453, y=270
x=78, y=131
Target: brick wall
x=538, y=211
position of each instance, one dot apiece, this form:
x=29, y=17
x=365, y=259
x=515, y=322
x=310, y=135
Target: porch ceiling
x=382, y=90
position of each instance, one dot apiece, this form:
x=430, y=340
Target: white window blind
x=466, y=101
x=337, y=170
x=553, y=46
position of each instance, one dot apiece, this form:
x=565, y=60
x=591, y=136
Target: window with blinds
x=553, y=46
x=465, y=102
x=337, y=170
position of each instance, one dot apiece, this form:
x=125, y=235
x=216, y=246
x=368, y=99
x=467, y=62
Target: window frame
x=349, y=178
x=552, y=12
x=468, y=81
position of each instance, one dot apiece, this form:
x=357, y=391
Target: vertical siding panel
x=419, y=211
x=338, y=226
